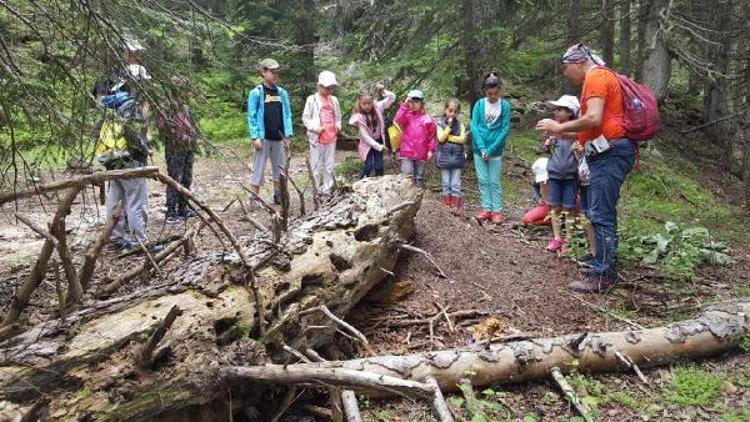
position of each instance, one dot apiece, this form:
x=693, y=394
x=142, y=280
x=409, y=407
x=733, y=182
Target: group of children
x=420, y=137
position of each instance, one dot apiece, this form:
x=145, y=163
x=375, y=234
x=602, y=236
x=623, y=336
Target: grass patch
x=693, y=387
x=524, y=145
x=349, y=168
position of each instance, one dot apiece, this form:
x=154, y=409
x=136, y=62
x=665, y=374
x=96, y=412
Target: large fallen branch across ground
x=90, y=179
x=329, y=259
x=718, y=329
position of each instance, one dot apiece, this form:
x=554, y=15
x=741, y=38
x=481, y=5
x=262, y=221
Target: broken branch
x=146, y=353
x=426, y=255
x=327, y=312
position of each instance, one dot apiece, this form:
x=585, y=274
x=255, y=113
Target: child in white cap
x=562, y=169
x=322, y=119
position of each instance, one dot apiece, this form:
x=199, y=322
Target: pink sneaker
x=555, y=245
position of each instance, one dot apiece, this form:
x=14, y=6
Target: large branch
x=717, y=330
x=79, y=182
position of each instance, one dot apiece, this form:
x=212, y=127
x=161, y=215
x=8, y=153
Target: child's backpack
x=641, y=110
x=111, y=146
x=393, y=135
x=120, y=143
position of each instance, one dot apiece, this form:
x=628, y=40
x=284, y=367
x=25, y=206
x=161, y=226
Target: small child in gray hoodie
x=562, y=169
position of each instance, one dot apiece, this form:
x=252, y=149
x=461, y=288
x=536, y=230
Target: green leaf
x=530, y=417
x=456, y=401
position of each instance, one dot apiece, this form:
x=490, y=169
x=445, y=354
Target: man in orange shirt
x=610, y=156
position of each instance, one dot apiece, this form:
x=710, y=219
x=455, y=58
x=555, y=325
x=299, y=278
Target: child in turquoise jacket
x=490, y=126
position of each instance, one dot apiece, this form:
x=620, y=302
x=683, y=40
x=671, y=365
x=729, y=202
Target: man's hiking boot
x=277, y=197
x=447, y=200
x=483, y=215
x=496, y=218
x=591, y=284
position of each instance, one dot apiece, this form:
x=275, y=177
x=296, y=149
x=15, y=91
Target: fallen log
x=718, y=329
x=330, y=258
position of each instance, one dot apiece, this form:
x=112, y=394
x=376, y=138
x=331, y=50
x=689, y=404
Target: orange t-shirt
x=604, y=84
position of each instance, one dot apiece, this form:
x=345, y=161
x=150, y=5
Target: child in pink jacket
x=418, y=141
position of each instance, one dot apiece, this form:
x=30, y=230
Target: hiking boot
x=590, y=284
x=496, y=218
x=277, y=198
x=447, y=200
x=483, y=215
x=324, y=198
x=173, y=219
x=555, y=245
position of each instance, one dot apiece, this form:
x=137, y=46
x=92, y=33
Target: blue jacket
x=490, y=139
x=255, y=108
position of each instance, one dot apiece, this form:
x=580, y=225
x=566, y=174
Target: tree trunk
x=657, y=60
x=607, y=32
x=625, y=37
x=716, y=330
x=332, y=257
x=643, y=8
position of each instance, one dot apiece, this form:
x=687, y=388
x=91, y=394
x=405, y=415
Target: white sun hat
x=327, y=79
x=568, y=101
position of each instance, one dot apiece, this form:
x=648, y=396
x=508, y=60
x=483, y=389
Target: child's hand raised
x=380, y=88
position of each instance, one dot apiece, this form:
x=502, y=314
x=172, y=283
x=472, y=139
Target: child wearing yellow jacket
x=450, y=157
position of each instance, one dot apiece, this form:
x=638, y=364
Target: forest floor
x=502, y=272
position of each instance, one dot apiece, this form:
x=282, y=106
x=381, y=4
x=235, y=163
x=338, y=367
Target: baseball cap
x=269, y=64
x=568, y=101
x=327, y=79
x=416, y=94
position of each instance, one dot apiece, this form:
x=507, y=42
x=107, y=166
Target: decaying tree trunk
x=330, y=258
x=718, y=329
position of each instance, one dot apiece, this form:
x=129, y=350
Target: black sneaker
x=173, y=219
x=188, y=213
x=277, y=198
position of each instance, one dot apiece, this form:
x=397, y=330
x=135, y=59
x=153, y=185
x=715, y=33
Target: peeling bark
x=717, y=330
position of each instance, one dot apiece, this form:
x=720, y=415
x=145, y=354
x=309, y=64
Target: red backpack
x=641, y=111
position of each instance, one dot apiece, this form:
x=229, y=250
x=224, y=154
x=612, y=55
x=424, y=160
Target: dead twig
x=611, y=314
x=445, y=315
x=627, y=361
x=426, y=255
x=570, y=394
x=145, y=359
x=92, y=254
x=438, y=402
x=154, y=265
x=327, y=312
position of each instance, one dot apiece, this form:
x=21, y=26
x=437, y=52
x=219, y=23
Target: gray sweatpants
x=414, y=169
x=274, y=150
x=134, y=196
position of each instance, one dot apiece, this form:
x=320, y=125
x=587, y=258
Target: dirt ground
x=501, y=272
